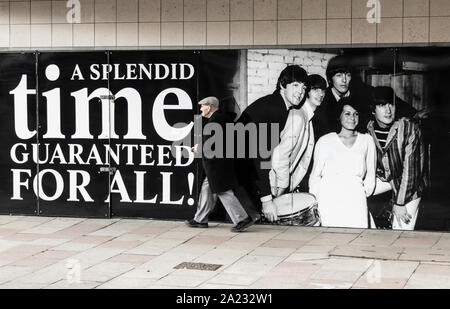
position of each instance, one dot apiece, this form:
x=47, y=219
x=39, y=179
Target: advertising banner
x=18, y=131
x=354, y=138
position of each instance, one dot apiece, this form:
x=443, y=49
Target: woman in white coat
x=343, y=174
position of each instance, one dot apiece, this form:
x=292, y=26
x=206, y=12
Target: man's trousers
x=207, y=201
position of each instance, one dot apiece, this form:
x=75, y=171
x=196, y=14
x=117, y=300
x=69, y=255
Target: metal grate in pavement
x=198, y=266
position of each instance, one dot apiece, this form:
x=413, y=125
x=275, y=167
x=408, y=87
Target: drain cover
x=198, y=266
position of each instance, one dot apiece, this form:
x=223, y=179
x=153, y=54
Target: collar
x=337, y=95
x=308, y=109
x=280, y=99
x=392, y=132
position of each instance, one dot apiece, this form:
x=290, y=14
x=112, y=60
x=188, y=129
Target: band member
x=292, y=157
x=220, y=178
x=343, y=82
x=400, y=160
x=344, y=172
x=269, y=110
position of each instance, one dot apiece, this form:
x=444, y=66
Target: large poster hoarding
x=102, y=134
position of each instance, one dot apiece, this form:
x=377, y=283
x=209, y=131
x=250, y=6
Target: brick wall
x=265, y=65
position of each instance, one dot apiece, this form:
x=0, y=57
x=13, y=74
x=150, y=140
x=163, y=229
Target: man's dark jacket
x=269, y=109
x=219, y=169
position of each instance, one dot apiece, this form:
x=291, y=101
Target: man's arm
x=371, y=162
x=281, y=156
x=411, y=163
x=316, y=173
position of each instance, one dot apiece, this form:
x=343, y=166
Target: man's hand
x=277, y=191
x=269, y=210
x=194, y=149
x=401, y=215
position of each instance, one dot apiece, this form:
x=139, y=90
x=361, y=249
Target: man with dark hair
x=339, y=74
x=271, y=109
x=402, y=108
x=220, y=179
x=292, y=157
x=400, y=159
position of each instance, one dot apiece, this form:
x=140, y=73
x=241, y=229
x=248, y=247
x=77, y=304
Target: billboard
x=353, y=137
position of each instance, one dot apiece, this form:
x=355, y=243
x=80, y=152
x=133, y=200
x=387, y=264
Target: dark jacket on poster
x=401, y=162
x=269, y=109
x=219, y=169
x=326, y=119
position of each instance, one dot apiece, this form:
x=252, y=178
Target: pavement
x=58, y=253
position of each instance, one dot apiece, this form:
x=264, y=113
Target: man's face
x=205, y=110
x=294, y=93
x=384, y=114
x=316, y=96
x=341, y=81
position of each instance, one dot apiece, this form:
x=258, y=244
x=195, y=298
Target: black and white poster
x=355, y=137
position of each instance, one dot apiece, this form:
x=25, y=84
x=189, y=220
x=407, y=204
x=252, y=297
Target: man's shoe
x=243, y=225
x=193, y=223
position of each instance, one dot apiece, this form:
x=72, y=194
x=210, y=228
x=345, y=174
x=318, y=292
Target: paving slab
x=47, y=275
x=306, y=256
x=67, y=284
x=217, y=286
x=156, y=246
x=416, y=240
x=425, y=255
x=254, y=265
x=327, y=284
x=105, y=271
x=22, y=237
x=222, y=256
x=291, y=273
x=421, y=281
x=23, y=285
x=376, y=238
x=301, y=235
x=131, y=258
x=9, y=273
x=364, y=251
x=234, y=279
x=173, y=280
x=284, y=252
x=328, y=238
x=40, y=252
x=126, y=283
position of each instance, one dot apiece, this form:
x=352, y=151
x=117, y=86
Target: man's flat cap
x=211, y=101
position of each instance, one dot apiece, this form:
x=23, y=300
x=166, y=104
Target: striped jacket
x=401, y=161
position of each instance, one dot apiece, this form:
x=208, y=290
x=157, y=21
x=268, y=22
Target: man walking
x=220, y=179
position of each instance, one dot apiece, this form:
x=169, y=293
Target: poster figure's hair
x=315, y=81
x=290, y=74
x=382, y=95
x=337, y=64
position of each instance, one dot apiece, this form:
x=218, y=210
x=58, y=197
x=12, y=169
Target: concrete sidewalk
x=41, y=252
